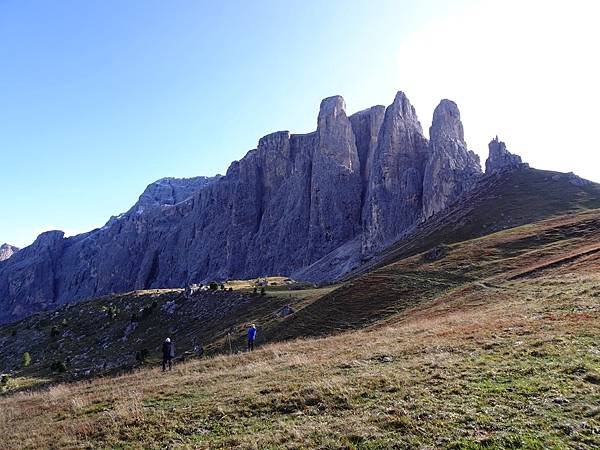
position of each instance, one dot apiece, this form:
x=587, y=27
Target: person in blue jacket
x=251, y=337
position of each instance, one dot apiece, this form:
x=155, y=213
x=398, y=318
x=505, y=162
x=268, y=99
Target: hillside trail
x=474, y=294
x=587, y=253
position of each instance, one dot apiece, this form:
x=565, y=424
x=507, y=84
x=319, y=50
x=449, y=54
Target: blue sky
x=100, y=98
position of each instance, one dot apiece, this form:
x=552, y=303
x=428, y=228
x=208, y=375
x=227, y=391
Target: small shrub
x=58, y=366
x=436, y=253
x=4, y=380
x=26, y=359
x=263, y=291
x=213, y=286
x=112, y=312
x=222, y=287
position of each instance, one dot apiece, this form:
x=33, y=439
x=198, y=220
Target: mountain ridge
x=355, y=185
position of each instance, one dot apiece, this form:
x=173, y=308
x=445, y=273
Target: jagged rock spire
x=500, y=158
x=335, y=194
x=451, y=169
x=394, y=195
x=336, y=139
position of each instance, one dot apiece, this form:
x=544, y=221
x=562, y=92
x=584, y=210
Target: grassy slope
x=92, y=341
x=499, y=202
x=502, y=353
x=527, y=195
x=390, y=286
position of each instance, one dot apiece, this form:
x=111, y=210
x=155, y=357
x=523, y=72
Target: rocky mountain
x=7, y=250
x=325, y=200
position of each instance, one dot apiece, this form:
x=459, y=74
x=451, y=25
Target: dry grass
x=496, y=345
x=515, y=366
x=384, y=294
x=248, y=285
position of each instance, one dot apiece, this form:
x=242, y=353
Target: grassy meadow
x=492, y=344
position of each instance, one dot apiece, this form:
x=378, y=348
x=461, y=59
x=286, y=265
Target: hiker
x=168, y=351
x=251, y=337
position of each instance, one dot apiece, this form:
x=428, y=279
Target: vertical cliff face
x=335, y=199
x=366, y=125
x=319, y=201
x=395, y=186
x=30, y=283
x=285, y=161
x=452, y=169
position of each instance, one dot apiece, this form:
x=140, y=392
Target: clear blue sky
x=100, y=98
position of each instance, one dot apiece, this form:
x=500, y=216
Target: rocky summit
x=451, y=168
x=7, y=250
x=312, y=206
x=500, y=158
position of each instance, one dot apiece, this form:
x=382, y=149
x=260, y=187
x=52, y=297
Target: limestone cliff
x=308, y=205
x=452, y=169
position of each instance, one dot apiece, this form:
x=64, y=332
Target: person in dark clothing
x=251, y=337
x=168, y=351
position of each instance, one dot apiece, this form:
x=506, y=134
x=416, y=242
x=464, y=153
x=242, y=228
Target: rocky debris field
x=126, y=331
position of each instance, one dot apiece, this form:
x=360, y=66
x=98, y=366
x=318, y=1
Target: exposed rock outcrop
x=335, y=201
x=501, y=159
x=168, y=191
x=576, y=180
x=164, y=192
x=366, y=125
x=7, y=250
x=452, y=169
x=313, y=205
x=394, y=199
x=28, y=278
